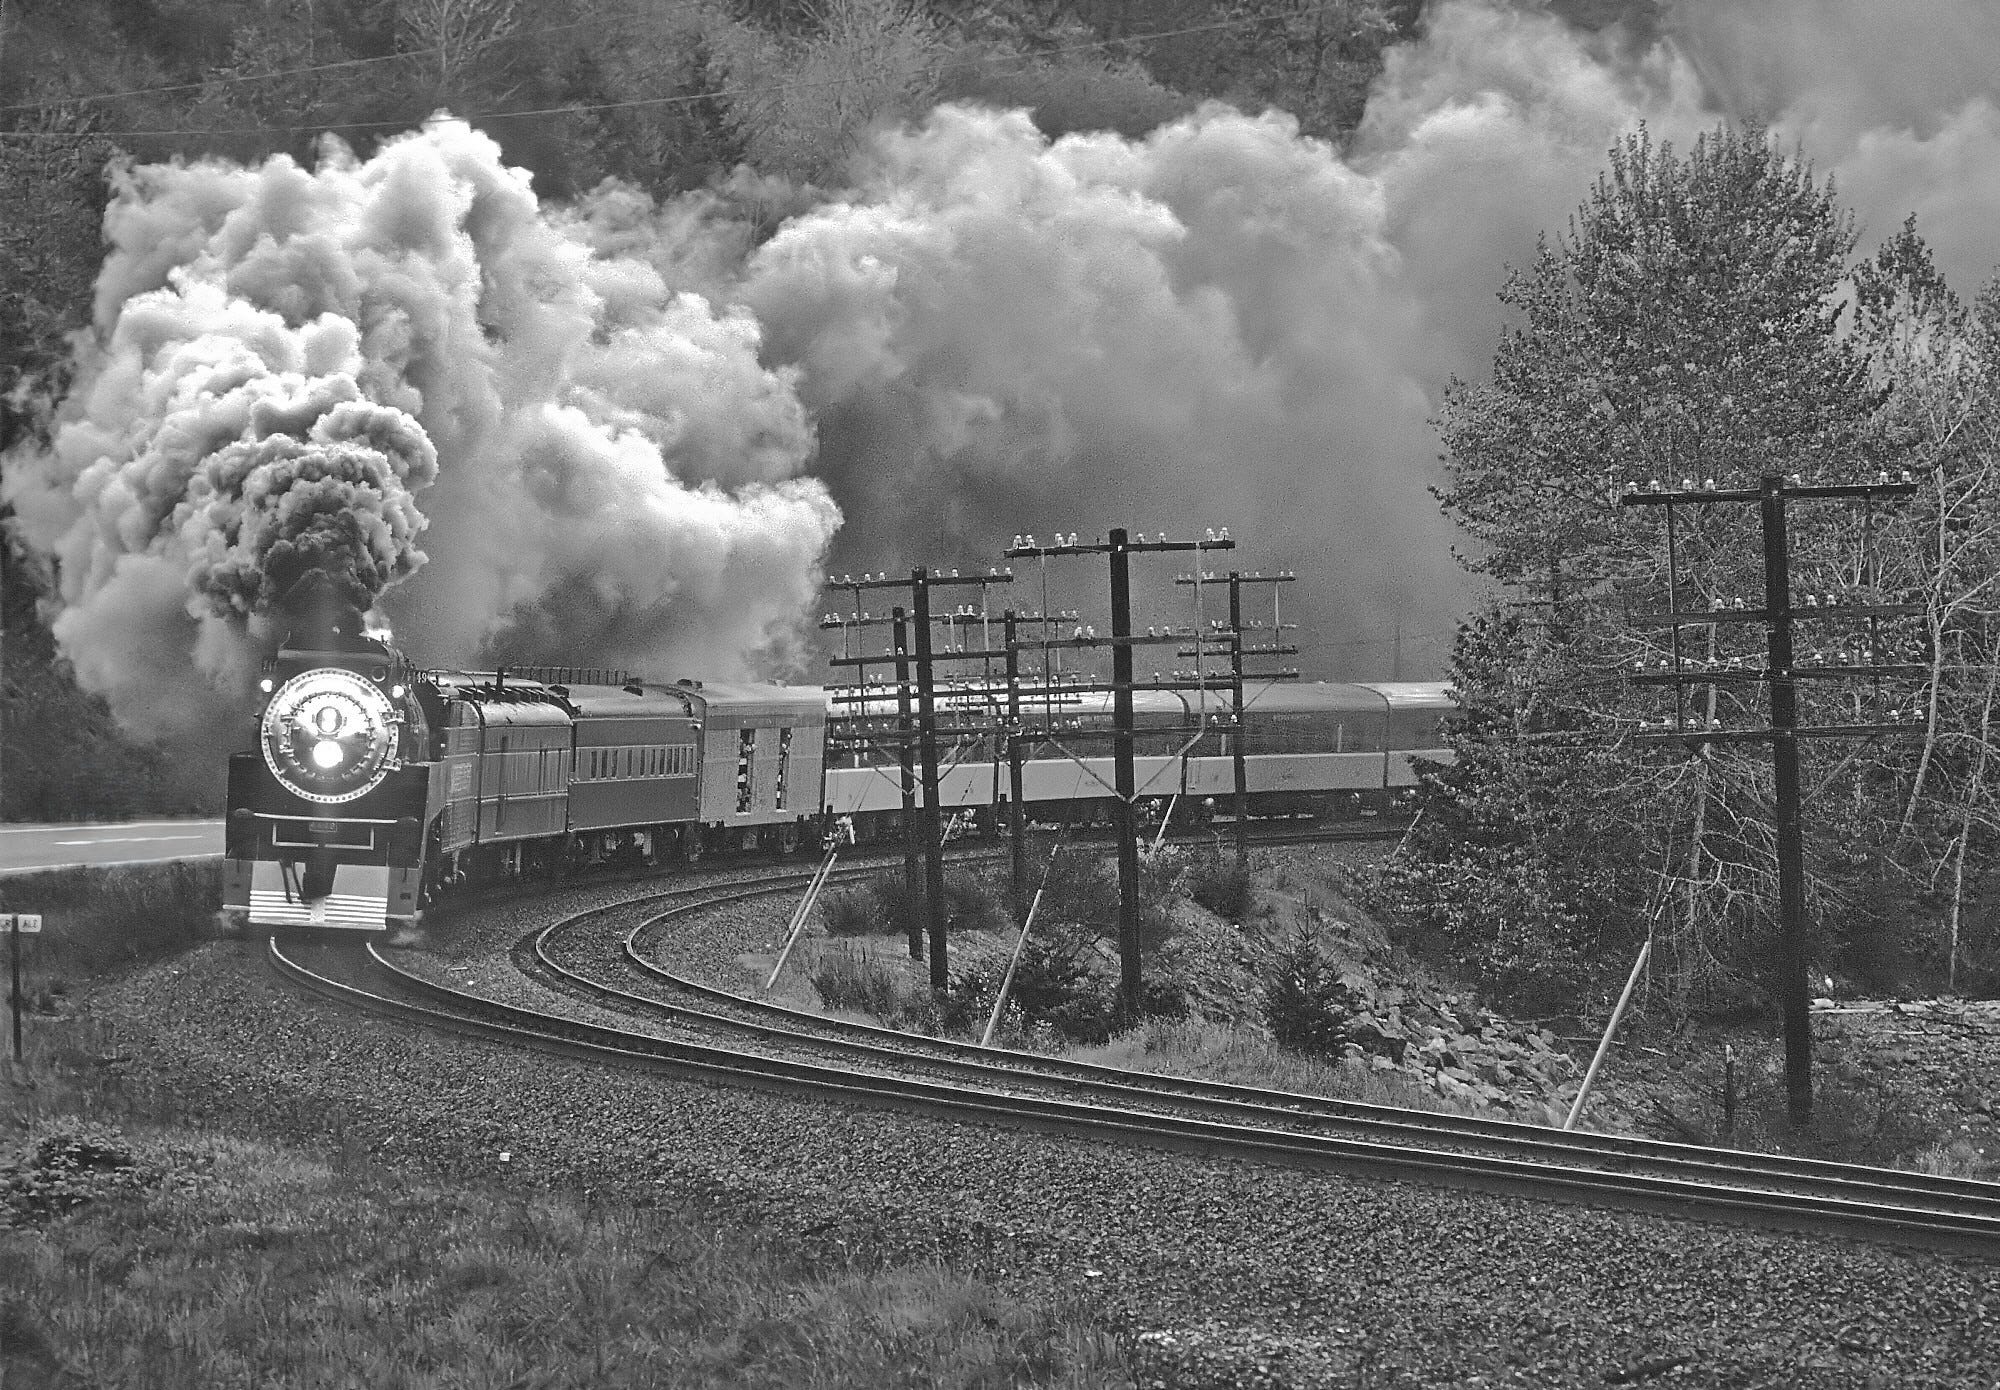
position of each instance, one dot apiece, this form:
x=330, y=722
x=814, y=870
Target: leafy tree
x=801, y=103
x=1940, y=361
x=456, y=41
x=1313, y=58
x=52, y=195
x=1525, y=852
x=1686, y=328
x=1055, y=66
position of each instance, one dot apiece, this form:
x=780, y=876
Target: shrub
x=972, y=904
x=854, y=912
x=885, y=907
x=850, y=979
x=1224, y=887
x=1078, y=890
x=1089, y=1014
x=1305, y=1005
x=957, y=1010
x=1052, y=970
x=73, y=1163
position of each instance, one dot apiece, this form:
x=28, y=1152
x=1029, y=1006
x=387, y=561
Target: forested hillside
x=666, y=95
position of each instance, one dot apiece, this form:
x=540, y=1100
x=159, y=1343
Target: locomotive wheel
x=788, y=838
x=691, y=844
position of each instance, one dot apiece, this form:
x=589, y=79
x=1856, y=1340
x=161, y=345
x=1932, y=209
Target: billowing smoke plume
x=618, y=432
x=1203, y=328
x=1223, y=323
x=401, y=385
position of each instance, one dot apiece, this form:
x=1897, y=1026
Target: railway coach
x=1318, y=749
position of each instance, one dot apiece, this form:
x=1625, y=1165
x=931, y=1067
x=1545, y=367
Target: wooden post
x=930, y=814
x=1130, y=979
x=1790, y=836
x=904, y=730
x=1017, y=817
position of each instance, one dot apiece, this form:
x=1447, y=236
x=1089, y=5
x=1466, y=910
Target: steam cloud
x=619, y=431
x=296, y=375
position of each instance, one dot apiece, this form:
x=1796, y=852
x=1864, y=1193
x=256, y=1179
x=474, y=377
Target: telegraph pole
x=1235, y=636
x=1130, y=984
x=1780, y=675
x=1119, y=547
x=923, y=818
x=931, y=815
x=912, y=897
x=1794, y=996
x=1016, y=814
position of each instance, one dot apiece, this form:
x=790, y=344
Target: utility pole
x=1016, y=815
x=923, y=816
x=1119, y=547
x=912, y=895
x=1130, y=983
x=1781, y=674
x=1016, y=735
x=930, y=815
x=1234, y=636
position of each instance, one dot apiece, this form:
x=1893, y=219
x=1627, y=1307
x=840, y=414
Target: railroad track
x=722, y=1037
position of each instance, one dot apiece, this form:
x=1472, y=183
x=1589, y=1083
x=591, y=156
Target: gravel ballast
x=1213, y=1272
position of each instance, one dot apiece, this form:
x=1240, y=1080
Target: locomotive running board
x=360, y=901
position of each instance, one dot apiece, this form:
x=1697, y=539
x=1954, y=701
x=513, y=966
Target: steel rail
x=1949, y=1195
x=447, y=1008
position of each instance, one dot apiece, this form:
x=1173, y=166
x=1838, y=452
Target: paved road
x=26, y=848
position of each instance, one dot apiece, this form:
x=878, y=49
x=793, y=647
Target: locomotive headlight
x=329, y=735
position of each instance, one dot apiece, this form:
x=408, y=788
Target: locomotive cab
x=324, y=821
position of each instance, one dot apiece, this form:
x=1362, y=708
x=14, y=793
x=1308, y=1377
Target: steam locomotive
x=377, y=786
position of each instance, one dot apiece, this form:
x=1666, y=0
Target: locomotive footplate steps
x=359, y=896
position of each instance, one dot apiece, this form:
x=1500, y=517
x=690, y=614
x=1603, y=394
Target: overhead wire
x=306, y=70
x=580, y=108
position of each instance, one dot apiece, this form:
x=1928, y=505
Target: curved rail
x=867, y=1042
x=1968, y=1222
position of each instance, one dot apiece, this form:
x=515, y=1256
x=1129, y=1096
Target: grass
x=138, y=1249
x=226, y=1262
x=1951, y=1158
x=97, y=920
x=1245, y=1057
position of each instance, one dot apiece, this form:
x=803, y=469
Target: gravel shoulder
x=1213, y=1273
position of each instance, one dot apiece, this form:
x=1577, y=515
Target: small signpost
x=18, y=925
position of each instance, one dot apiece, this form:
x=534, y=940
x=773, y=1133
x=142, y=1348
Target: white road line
x=126, y=840
x=120, y=825
x=108, y=863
